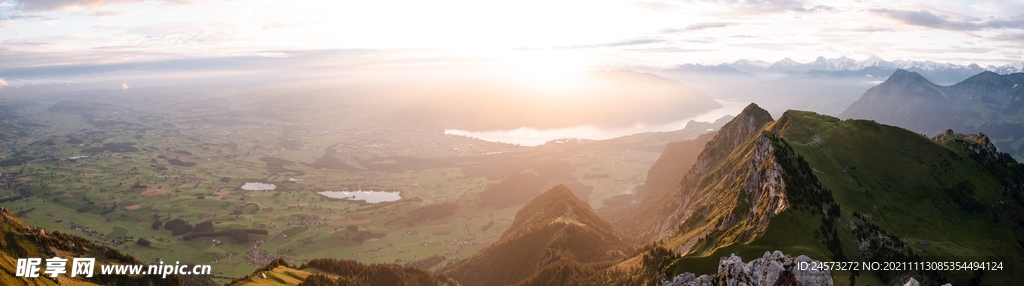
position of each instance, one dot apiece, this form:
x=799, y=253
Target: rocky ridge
x=773, y=268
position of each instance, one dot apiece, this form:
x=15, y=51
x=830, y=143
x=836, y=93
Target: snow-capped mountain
x=785, y=65
x=874, y=66
x=843, y=63
x=1007, y=68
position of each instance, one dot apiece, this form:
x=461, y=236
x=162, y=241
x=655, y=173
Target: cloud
x=285, y=24
x=179, y=33
x=108, y=13
x=952, y=49
x=1010, y=37
x=623, y=43
x=656, y=6
x=925, y=18
x=2, y=83
x=697, y=27
x=872, y=29
x=19, y=16
x=124, y=85
x=55, y=5
x=709, y=25
x=773, y=6
x=670, y=50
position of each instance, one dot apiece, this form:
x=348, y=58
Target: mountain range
x=843, y=190
x=744, y=72
x=987, y=102
x=843, y=63
x=805, y=184
x=812, y=186
x=914, y=171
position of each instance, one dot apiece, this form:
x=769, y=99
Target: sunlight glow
x=549, y=71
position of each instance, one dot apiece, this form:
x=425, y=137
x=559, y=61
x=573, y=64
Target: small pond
x=256, y=186
x=372, y=197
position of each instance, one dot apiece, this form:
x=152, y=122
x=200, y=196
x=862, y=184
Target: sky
x=50, y=38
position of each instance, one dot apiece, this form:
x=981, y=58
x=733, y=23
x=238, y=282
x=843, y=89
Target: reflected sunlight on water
x=526, y=136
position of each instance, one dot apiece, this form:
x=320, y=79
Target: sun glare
x=544, y=70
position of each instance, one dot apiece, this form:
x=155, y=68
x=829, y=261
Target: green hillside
x=987, y=102
x=853, y=190
x=23, y=241
x=555, y=239
x=330, y=272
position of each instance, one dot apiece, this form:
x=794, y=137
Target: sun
x=544, y=70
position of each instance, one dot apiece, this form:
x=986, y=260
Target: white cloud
x=124, y=85
x=606, y=34
x=3, y=83
x=51, y=5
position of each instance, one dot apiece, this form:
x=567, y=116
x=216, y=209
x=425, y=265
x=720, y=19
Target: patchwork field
x=116, y=174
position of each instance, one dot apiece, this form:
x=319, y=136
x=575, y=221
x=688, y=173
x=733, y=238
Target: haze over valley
x=519, y=143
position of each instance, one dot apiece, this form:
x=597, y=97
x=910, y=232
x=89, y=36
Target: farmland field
x=114, y=172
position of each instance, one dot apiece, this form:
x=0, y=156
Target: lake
x=372, y=197
x=526, y=136
x=256, y=186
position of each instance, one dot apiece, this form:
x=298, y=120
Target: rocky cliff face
x=764, y=186
x=733, y=190
x=661, y=185
x=732, y=134
x=771, y=269
x=814, y=185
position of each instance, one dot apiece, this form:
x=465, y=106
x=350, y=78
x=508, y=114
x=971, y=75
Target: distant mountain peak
x=787, y=62
x=902, y=73
x=554, y=204
x=902, y=76
x=757, y=63
x=753, y=110
x=553, y=234
x=988, y=75
x=935, y=71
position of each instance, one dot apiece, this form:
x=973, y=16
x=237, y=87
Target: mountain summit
x=843, y=190
x=986, y=102
x=555, y=239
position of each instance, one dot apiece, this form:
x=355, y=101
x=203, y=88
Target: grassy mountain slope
x=341, y=272
x=555, y=239
x=987, y=102
x=847, y=190
x=23, y=241
x=661, y=184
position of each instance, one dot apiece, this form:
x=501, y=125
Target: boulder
x=773, y=268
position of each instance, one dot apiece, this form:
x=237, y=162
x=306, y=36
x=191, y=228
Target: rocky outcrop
x=694, y=203
x=773, y=268
x=913, y=282
x=764, y=185
x=986, y=152
x=739, y=129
